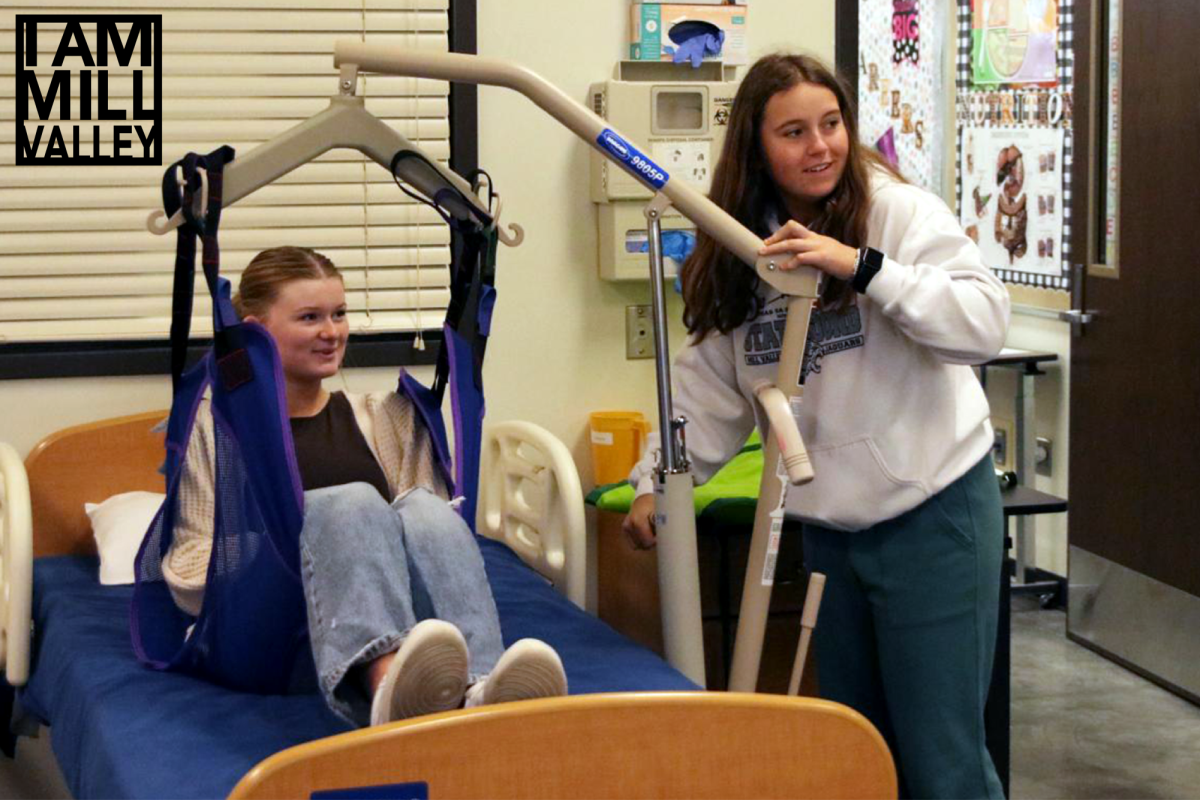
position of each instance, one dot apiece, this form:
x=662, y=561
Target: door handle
x=1077, y=315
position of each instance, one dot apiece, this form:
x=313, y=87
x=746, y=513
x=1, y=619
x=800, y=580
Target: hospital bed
x=632, y=727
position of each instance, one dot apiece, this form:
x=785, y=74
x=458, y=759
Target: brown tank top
x=331, y=449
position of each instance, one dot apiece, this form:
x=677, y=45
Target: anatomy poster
x=1014, y=41
x=900, y=85
x=1012, y=202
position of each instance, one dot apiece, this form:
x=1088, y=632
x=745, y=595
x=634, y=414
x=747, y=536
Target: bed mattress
x=120, y=730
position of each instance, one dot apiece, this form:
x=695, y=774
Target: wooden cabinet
x=628, y=598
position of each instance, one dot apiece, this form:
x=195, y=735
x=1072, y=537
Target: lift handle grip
x=783, y=428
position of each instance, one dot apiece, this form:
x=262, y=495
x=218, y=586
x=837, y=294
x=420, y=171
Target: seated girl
x=401, y=618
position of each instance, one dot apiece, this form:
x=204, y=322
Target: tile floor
x=1083, y=727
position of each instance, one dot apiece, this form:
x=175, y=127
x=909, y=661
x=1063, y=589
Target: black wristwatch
x=870, y=261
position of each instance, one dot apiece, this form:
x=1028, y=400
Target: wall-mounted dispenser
x=679, y=114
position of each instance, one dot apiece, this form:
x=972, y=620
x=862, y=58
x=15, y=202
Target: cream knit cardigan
x=389, y=423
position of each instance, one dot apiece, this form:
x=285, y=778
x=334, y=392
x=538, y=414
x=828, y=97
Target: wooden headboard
x=88, y=464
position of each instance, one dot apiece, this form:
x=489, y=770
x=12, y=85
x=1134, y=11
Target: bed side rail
x=530, y=498
x=16, y=566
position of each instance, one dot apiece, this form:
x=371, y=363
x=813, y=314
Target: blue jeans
x=907, y=631
x=371, y=571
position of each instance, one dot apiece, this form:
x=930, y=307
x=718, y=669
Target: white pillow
x=119, y=525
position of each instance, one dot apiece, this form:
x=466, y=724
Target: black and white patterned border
x=1066, y=81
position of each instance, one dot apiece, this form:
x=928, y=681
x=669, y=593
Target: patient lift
x=347, y=124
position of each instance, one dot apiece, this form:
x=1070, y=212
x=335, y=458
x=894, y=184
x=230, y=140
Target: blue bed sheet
x=120, y=730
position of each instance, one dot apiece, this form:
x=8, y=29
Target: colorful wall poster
x=1012, y=201
x=1014, y=41
x=900, y=85
x=1044, y=109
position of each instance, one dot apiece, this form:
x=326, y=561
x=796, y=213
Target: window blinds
x=76, y=260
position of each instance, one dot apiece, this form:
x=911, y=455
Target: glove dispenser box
x=677, y=116
x=623, y=241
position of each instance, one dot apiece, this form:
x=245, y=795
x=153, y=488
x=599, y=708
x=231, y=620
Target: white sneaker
x=527, y=670
x=427, y=675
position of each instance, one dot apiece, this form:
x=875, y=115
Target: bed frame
x=668, y=744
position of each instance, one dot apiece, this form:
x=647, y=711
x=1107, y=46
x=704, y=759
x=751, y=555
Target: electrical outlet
x=1000, y=447
x=1044, y=460
x=1005, y=444
x=639, y=332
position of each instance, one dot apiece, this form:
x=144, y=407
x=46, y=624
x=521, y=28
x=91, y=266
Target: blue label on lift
x=632, y=159
x=391, y=791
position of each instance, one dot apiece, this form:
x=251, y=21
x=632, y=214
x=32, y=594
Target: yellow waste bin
x=617, y=441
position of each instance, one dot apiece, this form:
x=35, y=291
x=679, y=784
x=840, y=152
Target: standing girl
x=904, y=515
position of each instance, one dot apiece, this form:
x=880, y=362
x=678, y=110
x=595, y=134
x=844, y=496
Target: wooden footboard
x=664, y=745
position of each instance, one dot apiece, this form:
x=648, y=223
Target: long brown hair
x=719, y=291
x=271, y=269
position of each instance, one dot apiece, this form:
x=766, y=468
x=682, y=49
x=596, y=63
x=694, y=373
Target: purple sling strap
x=252, y=624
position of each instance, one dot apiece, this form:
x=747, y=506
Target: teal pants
x=907, y=631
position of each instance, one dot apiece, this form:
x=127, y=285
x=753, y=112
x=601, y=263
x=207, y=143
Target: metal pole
x=674, y=490
x=669, y=459
x=1026, y=473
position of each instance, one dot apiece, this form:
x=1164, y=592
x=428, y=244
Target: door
x=1135, y=369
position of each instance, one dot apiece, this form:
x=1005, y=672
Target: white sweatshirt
x=891, y=412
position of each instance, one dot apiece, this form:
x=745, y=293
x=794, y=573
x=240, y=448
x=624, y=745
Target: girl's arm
x=403, y=445
x=185, y=566
x=935, y=286
x=933, y=283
